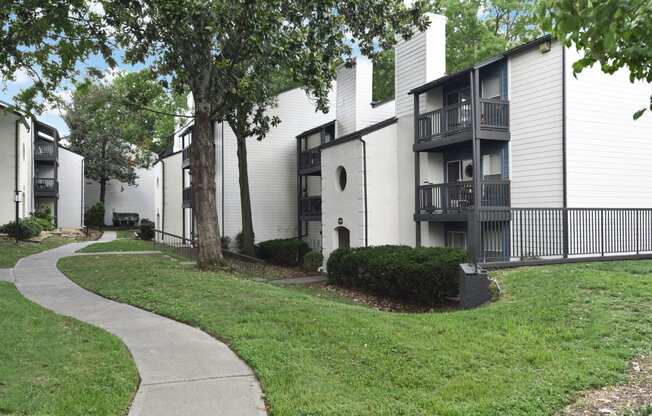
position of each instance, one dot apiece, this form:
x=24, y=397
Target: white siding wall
x=608, y=153
x=158, y=194
x=71, y=186
x=348, y=204
x=536, y=151
x=7, y=166
x=26, y=169
x=383, y=186
x=172, y=192
x=120, y=197
x=272, y=170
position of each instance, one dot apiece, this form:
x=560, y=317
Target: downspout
x=364, y=172
x=16, y=169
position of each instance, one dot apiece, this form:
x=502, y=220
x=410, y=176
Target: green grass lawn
x=119, y=245
x=10, y=252
x=56, y=366
x=557, y=330
x=120, y=233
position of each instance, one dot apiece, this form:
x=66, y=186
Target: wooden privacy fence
x=557, y=234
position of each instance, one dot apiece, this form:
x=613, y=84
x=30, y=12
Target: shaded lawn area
x=119, y=245
x=557, y=330
x=57, y=366
x=10, y=253
x=122, y=233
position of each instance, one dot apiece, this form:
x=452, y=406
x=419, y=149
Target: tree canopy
x=613, y=33
x=116, y=126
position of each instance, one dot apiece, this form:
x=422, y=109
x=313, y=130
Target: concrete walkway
x=6, y=275
x=300, y=280
x=183, y=370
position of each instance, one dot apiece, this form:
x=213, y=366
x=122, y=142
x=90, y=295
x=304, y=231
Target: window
x=456, y=239
x=341, y=178
x=492, y=165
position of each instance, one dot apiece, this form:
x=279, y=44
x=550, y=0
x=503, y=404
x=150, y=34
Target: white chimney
x=354, y=95
x=418, y=61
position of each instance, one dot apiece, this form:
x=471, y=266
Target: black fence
x=554, y=234
x=184, y=247
x=458, y=196
x=310, y=159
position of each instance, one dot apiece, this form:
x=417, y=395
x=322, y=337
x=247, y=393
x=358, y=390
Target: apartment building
x=38, y=172
x=272, y=172
x=554, y=156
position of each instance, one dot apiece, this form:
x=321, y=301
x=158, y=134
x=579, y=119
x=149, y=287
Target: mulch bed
x=619, y=400
x=382, y=303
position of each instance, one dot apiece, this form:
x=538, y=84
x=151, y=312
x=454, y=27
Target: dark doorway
x=343, y=237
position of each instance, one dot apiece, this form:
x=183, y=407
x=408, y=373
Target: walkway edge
x=183, y=370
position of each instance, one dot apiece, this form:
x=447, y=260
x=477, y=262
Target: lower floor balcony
x=310, y=208
x=46, y=187
x=187, y=197
x=453, y=200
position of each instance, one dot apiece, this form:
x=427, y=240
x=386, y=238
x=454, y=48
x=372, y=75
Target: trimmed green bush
x=94, y=216
x=25, y=228
x=146, y=230
x=44, y=217
x=312, y=261
x=424, y=275
x=287, y=252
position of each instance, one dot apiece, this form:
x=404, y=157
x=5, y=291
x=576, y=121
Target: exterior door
x=343, y=238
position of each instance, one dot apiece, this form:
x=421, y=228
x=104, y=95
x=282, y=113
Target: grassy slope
x=558, y=329
x=56, y=366
x=10, y=253
x=119, y=245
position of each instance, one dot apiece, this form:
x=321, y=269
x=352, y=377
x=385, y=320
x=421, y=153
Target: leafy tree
x=475, y=30
x=117, y=126
x=44, y=40
x=211, y=48
x=613, y=33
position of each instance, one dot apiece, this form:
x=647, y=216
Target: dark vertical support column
x=476, y=235
x=417, y=172
x=299, y=230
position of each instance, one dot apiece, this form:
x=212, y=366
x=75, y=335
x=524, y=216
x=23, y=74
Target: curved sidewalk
x=183, y=370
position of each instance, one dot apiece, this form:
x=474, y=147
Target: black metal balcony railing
x=309, y=159
x=185, y=157
x=494, y=114
x=45, y=186
x=311, y=206
x=187, y=197
x=458, y=196
x=44, y=150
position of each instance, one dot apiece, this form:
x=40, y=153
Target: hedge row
x=288, y=252
x=424, y=275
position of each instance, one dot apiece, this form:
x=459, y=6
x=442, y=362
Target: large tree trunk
x=245, y=199
x=204, y=203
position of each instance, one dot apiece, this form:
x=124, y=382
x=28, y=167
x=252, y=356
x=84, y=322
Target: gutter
x=364, y=171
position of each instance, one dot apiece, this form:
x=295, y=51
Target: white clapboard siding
x=536, y=119
x=71, y=185
x=609, y=154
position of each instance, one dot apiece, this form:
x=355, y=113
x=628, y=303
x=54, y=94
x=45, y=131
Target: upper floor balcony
x=453, y=200
x=45, y=150
x=453, y=123
x=186, y=197
x=310, y=161
x=46, y=187
x=185, y=158
x=310, y=208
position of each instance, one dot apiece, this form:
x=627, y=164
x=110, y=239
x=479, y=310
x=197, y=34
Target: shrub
x=94, y=217
x=146, y=230
x=225, y=242
x=312, y=261
x=26, y=228
x=44, y=217
x=423, y=275
x=287, y=252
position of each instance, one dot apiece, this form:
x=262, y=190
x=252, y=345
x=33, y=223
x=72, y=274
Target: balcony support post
x=474, y=223
x=417, y=172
